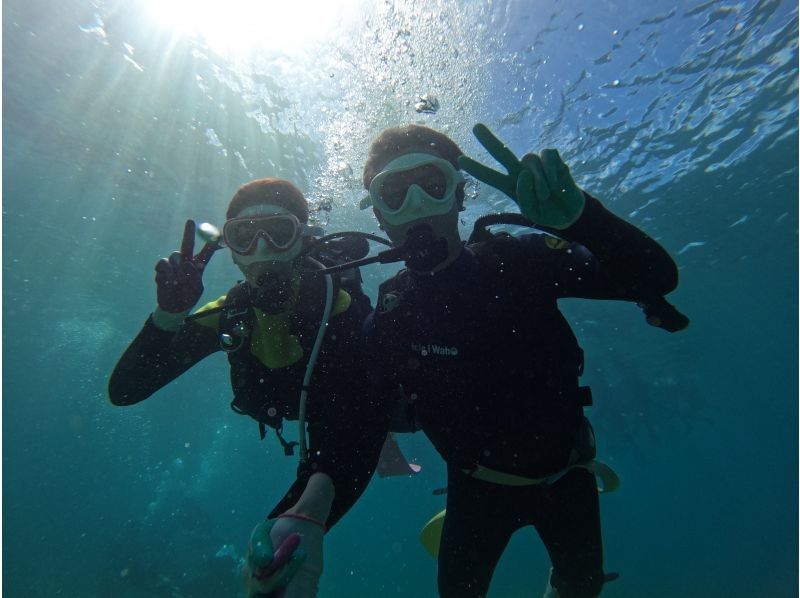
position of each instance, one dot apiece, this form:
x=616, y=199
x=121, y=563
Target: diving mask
x=271, y=236
x=414, y=186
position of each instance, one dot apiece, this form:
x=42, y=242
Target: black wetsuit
x=342, y=443
x=491, y=367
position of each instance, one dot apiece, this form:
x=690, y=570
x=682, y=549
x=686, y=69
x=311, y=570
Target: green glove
x=541, y=185
x=270, y=569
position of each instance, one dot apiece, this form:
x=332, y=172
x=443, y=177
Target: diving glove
x=179, y=280
x=272, y=570
x=540, y=184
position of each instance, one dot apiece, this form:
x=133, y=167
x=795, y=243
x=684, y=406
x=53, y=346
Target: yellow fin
x=431, y=534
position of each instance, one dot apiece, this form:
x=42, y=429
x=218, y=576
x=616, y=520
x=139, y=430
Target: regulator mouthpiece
x=422, y=250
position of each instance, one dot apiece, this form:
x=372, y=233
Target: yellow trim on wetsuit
x=607, y=475
x=272, y=342
x=555, y=242
x=211, y=320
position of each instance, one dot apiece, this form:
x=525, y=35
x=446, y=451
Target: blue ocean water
x=681, y=116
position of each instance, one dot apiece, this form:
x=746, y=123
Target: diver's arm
x=155, y=358
x=317, y=498
x=346, y=442
x=634, y=266
x=350, y=439
x=624, y=263
x=346, y=450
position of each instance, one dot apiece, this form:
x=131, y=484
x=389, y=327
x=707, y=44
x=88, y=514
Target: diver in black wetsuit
x=472, y=338
x=269, y=325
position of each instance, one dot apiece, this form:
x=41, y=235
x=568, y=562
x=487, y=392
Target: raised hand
x=541, y=185
x=179, y=278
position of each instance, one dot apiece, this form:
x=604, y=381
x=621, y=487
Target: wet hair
x=271, y=191
x=409, y=139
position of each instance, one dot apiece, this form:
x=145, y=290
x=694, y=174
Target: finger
x=287, y=573
x=550, y=163
x=165, y=273
x=175, y=259
x=541, y=189
x=202, y=258
x=261, y=551
x=496, y=148
x=562, y=170
x=187, y=245
x=282, y=577
x=282, y=555
x=483, y=173
x=163, y=265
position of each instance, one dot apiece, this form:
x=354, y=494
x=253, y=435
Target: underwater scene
x=124, y=118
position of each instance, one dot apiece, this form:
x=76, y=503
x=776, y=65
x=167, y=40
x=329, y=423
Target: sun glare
x=239, y=27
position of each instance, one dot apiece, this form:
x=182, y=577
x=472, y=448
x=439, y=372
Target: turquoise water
x=680, y=116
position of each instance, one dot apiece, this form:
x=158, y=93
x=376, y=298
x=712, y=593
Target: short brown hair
x=407, y=139
x=272, y=191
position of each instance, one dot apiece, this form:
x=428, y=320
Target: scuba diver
x=471, y=338
x=293, y=343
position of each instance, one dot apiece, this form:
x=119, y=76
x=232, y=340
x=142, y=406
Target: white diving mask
x=413, y=187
